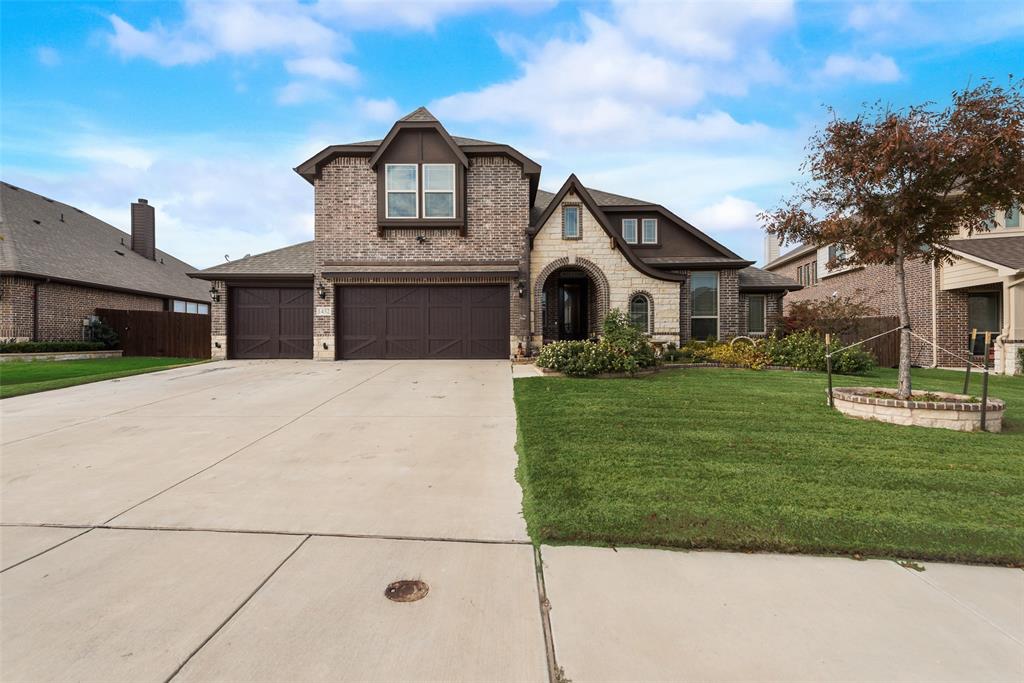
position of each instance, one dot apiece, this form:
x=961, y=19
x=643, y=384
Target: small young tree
x=893, y=185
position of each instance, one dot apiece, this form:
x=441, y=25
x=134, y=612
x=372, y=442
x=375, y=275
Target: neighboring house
x=58, y=265
x=982, y=289
x=433, y=246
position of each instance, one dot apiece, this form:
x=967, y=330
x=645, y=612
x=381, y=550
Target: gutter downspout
x=935, y=321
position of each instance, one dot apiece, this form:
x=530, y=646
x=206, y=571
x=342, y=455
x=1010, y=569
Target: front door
x=983, y=314
x=572, y=309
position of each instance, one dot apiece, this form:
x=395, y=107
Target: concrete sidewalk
x=655, y=615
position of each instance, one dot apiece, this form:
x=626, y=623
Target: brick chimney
x=144, y=229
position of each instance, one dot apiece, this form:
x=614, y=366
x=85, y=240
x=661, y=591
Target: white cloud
x=105, y=151
x=383, y=110
x=233, y=28
x=48, y=56
x=158, y=44
x=301, y=92
x=323, y=68
x=727, y=215
x=875, y=15
x=630, y=77
x=414, y=14
x=704, y=29
x=876, y=68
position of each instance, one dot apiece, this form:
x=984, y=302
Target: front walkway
x=240, y=521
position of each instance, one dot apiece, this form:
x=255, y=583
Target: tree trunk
x=903, y=390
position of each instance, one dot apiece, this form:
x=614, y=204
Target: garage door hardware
x=406, y=590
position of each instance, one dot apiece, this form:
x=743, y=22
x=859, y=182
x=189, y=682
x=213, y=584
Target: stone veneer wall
x=61, y=308
x=877, y=285
x=596, y=247
x=345, y=227
x=219, y=323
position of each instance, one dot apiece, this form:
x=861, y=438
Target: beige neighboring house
x=982, y=289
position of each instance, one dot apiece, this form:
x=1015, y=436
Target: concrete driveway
x=333, y=479
x=239, y=521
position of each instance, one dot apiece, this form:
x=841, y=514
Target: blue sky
x=204, y=108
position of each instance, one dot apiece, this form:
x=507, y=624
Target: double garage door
x=374, y=322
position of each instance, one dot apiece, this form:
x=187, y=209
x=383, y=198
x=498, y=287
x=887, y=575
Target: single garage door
x=270, y=322
x=435, y=321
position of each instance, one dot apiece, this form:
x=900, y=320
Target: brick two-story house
x=428, y=245
x=982, y=289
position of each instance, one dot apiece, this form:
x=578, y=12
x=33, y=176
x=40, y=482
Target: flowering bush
x=622, y=348
x=585, y=358
x=740, y=353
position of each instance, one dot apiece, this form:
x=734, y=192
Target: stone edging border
x=669, y=366
x=58, y=355
x=855, y=395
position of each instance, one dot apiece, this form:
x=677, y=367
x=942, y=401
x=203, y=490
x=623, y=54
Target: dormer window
x=401, y=187
x=629, y=230
x=650, y=231
x=439, y=190
x=570, y=222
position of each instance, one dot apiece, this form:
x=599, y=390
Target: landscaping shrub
x=806, y=350
x=622, y=348
x=100, y=331
x=835, y=315
x=622, y=336
x=740, y=353
x=50, y=346
x=585, y=358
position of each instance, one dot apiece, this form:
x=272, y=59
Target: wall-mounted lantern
x=214, y=294
x=521, y=286
x=320, y=291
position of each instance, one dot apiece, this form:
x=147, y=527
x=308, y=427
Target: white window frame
x=415, y=192
x=764, y=314
x=185, y=305
x=718, y=305
x=635, y=230
x=579, y=218
x=451, y=192
x=643, y=231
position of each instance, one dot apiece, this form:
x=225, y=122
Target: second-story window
x=439, y=190
x=400, y=184
x=629, y=230
x=570, y=223
x=1013, y=216
x=650, y=231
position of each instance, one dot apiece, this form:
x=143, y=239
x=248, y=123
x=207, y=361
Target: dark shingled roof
x=460, y=141
x=684, y=261
x=1006, y=251
x=790, y=255
x=755, y=279
x=296, y=260
x=600, y=196
x=82, y=248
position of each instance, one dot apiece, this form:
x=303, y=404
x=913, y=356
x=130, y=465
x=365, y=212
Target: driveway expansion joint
x=236, y=610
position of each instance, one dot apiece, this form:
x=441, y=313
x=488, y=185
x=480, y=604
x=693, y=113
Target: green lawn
x=745, y=460
x=20, y=378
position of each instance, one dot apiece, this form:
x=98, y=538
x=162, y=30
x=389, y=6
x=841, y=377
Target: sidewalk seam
x=235, y=611
x=967, y=607
x=555, y=674
x=52, y=547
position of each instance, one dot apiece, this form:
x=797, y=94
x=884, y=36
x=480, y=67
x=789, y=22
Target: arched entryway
x=570, y=300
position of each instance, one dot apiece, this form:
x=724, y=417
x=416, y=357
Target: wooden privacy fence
x=160, y=333
x=886, y=349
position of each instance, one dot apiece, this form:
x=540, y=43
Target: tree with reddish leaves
x=892, y=185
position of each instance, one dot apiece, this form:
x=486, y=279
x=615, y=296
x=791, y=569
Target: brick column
x=219, y=323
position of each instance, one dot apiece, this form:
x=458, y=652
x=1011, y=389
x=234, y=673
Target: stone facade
x=877, y=286
x=61, y=308
x=961, y=417
x=346, y=231
x=219, y=322
x=596, y=250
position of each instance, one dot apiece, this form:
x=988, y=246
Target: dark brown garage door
x=271, y=322
x=434, y=321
